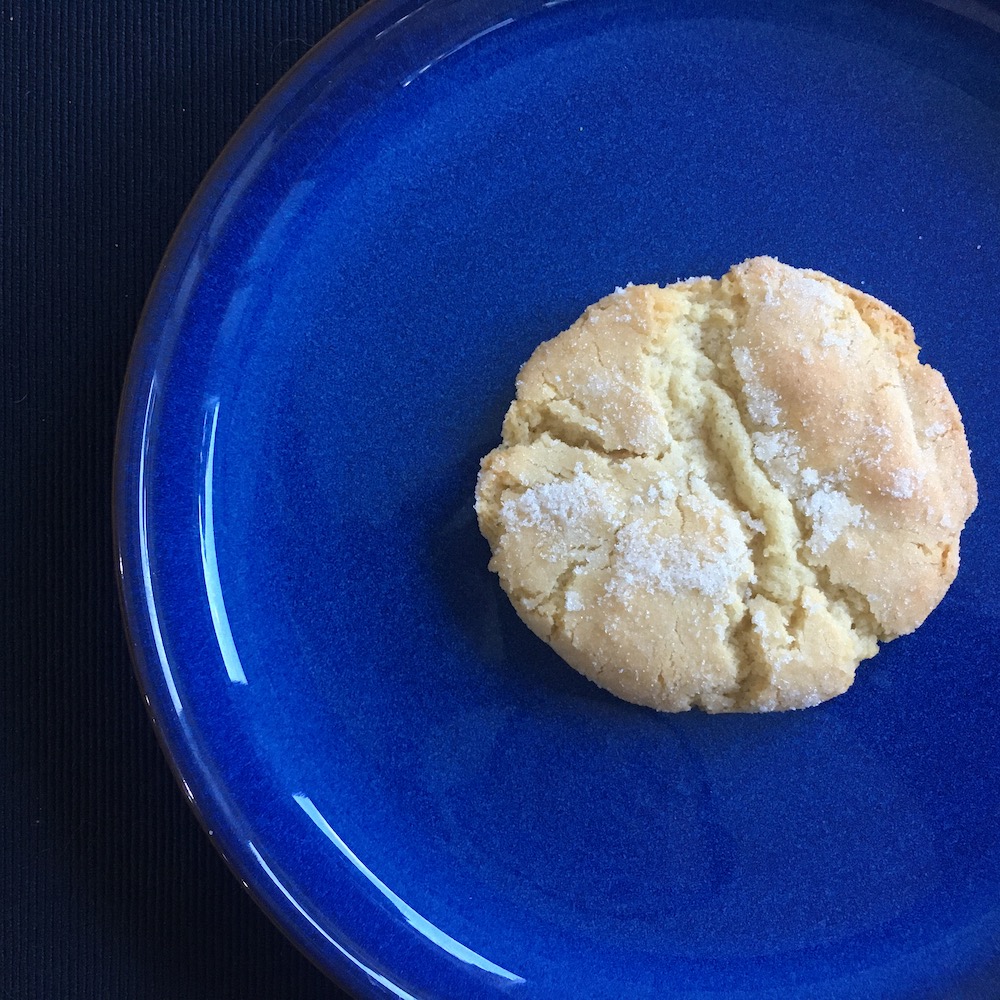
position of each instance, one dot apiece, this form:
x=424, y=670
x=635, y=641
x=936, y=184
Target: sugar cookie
x=724, y=493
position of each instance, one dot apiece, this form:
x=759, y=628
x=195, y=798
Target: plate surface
x=418, y=791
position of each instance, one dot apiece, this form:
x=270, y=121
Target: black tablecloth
x=112, y=111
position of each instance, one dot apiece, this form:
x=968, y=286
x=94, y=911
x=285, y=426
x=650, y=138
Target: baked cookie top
x=724, y=493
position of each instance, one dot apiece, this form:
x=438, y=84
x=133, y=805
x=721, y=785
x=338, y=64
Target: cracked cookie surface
x=724, y=493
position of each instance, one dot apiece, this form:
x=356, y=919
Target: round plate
x=419, y=792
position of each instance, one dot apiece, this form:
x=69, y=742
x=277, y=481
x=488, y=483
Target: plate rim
x=355, y=31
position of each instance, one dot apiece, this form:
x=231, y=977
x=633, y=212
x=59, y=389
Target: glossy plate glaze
x=416, y=789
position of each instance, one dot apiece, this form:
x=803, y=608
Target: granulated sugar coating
x=724, y=494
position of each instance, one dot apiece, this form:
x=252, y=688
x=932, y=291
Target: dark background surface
x=110, y=114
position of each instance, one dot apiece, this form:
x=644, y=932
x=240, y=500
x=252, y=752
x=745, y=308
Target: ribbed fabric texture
x=110, y=114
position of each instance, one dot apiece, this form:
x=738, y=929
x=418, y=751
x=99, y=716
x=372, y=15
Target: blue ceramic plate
x=425, y=799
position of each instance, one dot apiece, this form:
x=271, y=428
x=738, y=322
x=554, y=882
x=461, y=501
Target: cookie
x=725, y=493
